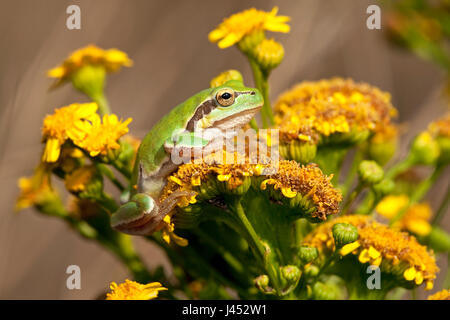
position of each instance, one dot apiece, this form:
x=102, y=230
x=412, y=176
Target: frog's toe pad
x=138, y=217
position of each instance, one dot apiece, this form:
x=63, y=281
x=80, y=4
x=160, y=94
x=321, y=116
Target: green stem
x=226, y=255
x=261, y=82
x=255, y=240
x=446, y=283
x=399, y=167
x=352, y=197
x=193, y=263
x=102, y=102
x=442, y=208
x=110, y=175
x=122, y=169
x=419, y=193
x=351, y=173
x=256, y=244
x=123, y=247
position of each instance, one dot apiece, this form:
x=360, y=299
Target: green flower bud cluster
x=344, y=233
x=370, y=172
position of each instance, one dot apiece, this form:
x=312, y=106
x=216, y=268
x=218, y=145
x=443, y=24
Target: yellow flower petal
x=350, y=247
x=288, y=192
x=410, y=274
x=52, y=150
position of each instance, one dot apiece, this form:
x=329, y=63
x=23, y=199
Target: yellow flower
x=390, y=205
x=58, y=127
x=234, y=28
x=395, y=252
x=78, y=179
x=441, y=295
x=168, y=233
x=226, y=76
x=112, y=60
x=338, y=107
x=441, y=127
x=269, y=53
x=416, y=218
x=35, y=190
x=440, y=131
x=131, y=290
x=97, y=137
x=297, y=184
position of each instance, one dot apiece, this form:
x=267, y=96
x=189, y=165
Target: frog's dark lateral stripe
x=205, y=108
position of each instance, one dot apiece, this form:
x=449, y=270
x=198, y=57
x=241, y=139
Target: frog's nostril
x=253, y=93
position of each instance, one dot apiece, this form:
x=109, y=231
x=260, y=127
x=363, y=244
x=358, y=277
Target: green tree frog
x=220, y=110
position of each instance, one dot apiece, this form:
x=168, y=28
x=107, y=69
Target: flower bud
x=230, y=187
x=323, y=291
x=300, y=151
x=370, y=172
x=444, y=146
x=290, y=275
x=439, y=240
x=187, y=217
x=307, y=254
x=382, y=152
x=383, y=187
x=344, y=233
x=268, y=53
x=424, y=149
x=90, y=79
x=311, y=271
x=250, y=41
x=262, y=283
x=226, y=76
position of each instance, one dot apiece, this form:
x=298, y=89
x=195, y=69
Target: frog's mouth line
x=247, y=114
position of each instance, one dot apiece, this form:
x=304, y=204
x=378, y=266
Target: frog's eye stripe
x=245, y=92
x=202, y=110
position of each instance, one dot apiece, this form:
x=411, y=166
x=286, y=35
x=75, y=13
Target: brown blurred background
x=173, y=59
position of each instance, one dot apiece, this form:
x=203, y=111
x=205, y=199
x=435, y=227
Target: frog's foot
x=142, y=214
x=139, y=216
x=171, y=201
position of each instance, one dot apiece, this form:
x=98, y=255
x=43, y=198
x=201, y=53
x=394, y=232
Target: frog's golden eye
x=225, y=97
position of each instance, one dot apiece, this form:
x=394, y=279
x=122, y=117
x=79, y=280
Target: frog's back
x=151, y=151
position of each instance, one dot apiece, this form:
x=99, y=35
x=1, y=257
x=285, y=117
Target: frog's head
x=229, y=107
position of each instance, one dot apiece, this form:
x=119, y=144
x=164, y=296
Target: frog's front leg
x=142, y=214
x=188, y=146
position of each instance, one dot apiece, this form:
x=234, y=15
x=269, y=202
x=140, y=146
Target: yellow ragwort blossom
x=313, y=110
x=99, y=137
x=168, y=234
x=269, y=53
x=245, y=23
x=290, y=181
x=441, y=127
x=416, y=218
x=57, y=127
x=77, y=180
x=131, y=290
x=112, y=60
x=395, y=252
x=440, y=295
x=35, y=190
